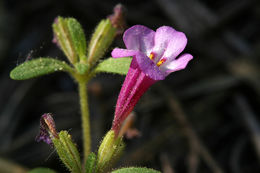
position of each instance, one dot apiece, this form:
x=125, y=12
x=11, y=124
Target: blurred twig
x=180, y=116
x=166, y=165
x=10, y=167
x=246, y=70
x=250, y=121
x=193, y=157
x=150, y=148
x=8, y=118
x=236, y=155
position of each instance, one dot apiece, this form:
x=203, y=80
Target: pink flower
x=154, y=58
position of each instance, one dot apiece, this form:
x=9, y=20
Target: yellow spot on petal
x=161, y=62
x=151, y=56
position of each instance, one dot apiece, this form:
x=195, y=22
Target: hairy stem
x=83, y=96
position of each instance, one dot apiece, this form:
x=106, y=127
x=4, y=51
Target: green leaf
x=67, y=152
x=38, y=67
x=41, y=170
x=114, y=65
x=91, y=163
x=77, y=37
x=135, y=170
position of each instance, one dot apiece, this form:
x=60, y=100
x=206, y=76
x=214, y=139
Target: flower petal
x=177, y=64
x=140, y=38
x=149, y=67
x=120, y=53
x=169, y=43
x=175, y=46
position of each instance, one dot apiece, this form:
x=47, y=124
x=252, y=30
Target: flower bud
x=118, y=19
x=61, y=141
x=105, y=33
x=109, y=151
x=67, y=151
x=70, y=37
x=47, y=129
x=101, y=40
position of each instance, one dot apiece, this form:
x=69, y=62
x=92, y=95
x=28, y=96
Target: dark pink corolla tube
x=154, y=57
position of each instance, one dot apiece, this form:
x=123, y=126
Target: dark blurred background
x=202, y=119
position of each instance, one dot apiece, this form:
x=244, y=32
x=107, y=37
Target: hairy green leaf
x=38, y=67
x=91, y=163
x=135, y=170
x=41, y=170
x=114, y=65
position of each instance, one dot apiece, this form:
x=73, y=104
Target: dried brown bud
x=47, y=129
x=126, y=128
x=118, y=18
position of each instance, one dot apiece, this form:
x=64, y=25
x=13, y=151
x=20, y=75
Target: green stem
x=83, y=96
